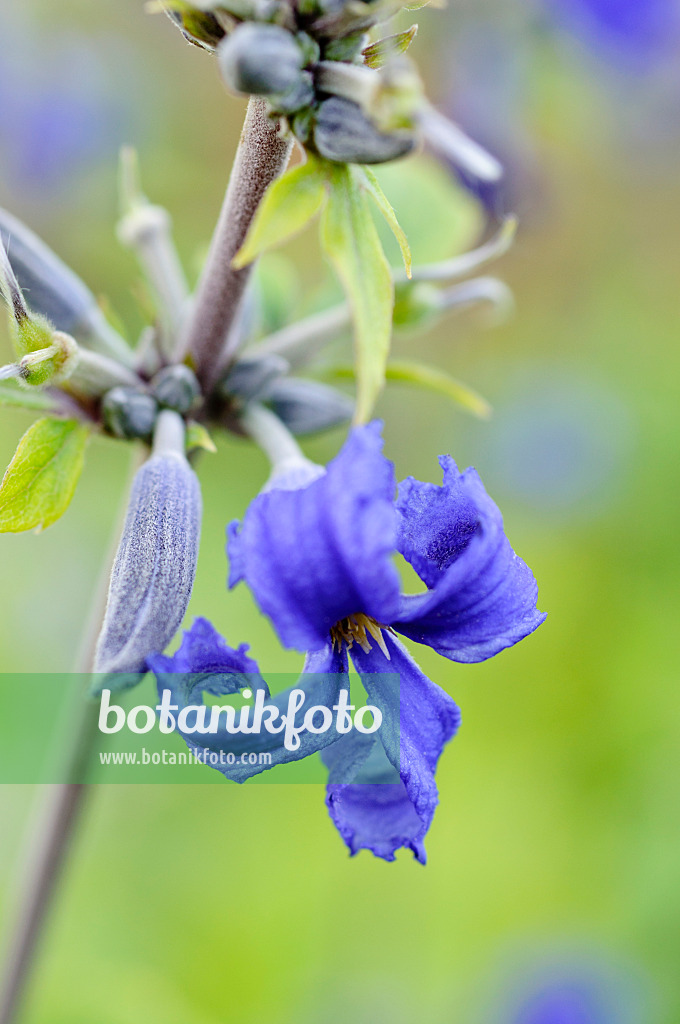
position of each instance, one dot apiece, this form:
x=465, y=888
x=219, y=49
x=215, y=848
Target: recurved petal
x=324, y=675
x=204, y=661
x=154, y=569
x=481, y=596
x=382, y=793
x=317, y=554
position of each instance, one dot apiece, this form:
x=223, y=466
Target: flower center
x=356, y=629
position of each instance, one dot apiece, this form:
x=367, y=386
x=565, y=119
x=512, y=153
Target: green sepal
x=198, y=437
x=377, y=54
x=31, y=334
x=42, y=476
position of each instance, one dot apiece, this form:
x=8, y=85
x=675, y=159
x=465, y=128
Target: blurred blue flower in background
x=637, y=32
x=62, y=108
x=561, y=442
x=488, y=94
x=583, y=987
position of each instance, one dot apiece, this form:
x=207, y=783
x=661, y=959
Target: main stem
x=56, y=823
x=262, y=155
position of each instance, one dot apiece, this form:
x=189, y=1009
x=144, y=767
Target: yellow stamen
x=353, y=629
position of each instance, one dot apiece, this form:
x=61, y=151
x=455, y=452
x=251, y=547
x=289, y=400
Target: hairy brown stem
x=262, y=155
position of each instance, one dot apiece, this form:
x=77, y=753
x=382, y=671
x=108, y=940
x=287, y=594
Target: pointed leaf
x=288, y=205
x=351, y=242
x=371, y=183
x=41, y=478
x=199, y=437
x=377, y=54
x=438, y=380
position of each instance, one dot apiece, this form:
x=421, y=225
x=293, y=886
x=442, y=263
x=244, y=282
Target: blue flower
x=638, y=30
x=319, y=560
x=205, y=663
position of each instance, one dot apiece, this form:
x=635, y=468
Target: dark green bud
x=307, y=406
x=252, y=376
x=344, y=134
x=261, y=59
x=176, y=388
x=301, y=96
x=129, y=412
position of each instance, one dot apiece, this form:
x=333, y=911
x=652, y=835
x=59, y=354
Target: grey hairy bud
x=344, y=134
x=129, y=412
x=176, y=387
x=261, y=59
x=154, y=569
x=307, y=406
x=252, y=376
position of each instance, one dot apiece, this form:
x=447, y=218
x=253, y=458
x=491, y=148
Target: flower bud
x=129, y=412
x=176, y=387
x=55, y=292
x=298, y=97
x=344, y=134
x=154, y=569
x=307, y=406
x=251, y=376
x=261, y=59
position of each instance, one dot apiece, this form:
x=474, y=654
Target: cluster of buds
x=343, y=97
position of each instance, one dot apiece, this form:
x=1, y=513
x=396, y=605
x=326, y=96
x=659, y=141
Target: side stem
x=262, y=155
x=55, y=823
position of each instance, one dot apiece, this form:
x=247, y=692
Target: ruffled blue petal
x=324, y=675
x=318, y=554
x=481, y=596
x=206, y=662
x=382, y=794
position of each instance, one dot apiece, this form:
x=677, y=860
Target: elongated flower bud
x=55, y=292
x=344, y=134
x=154, y=570
x=308, y=406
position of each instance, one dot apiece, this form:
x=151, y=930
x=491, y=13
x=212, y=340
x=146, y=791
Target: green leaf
x=198, y=437
x=377, y=54
x=41, y=478
x=288, y=205
x=439, y=217
x=371, y=183
x=25, y=399
x=430, y=377
x=350, y=240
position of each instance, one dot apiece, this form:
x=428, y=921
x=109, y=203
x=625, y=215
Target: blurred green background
x=557, y=840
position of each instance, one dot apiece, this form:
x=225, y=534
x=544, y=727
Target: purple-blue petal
x=481, y=596
x=323, y=676
x=385, y=810
x=315, y=555
x=205, y=653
